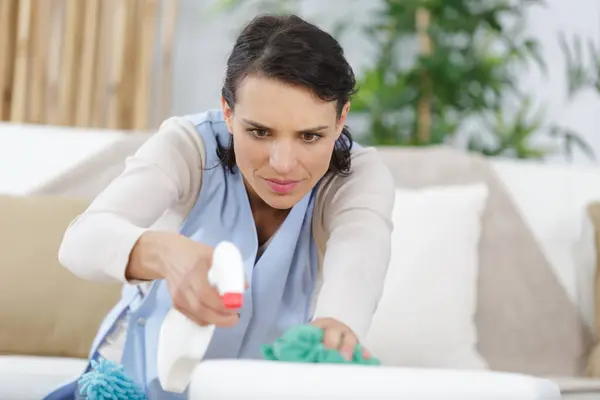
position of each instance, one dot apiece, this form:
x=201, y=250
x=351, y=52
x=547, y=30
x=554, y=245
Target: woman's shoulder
x=184, y=147
x=367, y=171
x=369, y=186
x=363, y=198
x=193, y=134
x=209, y=122
x=207, y=127
x=207, y=118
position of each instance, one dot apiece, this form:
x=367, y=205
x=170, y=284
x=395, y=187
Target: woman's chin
x=281, y=202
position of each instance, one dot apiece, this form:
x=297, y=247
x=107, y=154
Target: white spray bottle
x=182, y=343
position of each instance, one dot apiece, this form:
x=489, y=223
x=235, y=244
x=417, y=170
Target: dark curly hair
x=294, y=51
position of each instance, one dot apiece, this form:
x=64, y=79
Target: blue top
x=282, y=280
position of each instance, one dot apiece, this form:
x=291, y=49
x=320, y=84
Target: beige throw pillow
x=45, y=310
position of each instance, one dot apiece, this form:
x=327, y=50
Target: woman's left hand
x=339, y=336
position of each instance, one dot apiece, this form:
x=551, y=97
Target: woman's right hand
x=184, y=264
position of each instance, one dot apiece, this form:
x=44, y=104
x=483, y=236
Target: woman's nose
x=282, y=157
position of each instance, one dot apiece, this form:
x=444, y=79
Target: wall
x=205, y=38
x=581, y=17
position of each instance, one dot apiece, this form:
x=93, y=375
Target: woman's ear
x=343, y=117
x=227, y=114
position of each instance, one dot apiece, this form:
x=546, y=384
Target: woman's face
x=283, y=138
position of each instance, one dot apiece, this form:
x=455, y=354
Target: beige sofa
x=536, y=302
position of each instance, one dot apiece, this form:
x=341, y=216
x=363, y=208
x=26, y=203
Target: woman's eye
x=259, y=133
x=310, y=137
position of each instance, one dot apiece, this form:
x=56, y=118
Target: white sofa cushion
x=426, y=314
x=235, y=379
x=30, y=377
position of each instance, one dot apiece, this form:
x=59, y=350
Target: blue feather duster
x=108, y=381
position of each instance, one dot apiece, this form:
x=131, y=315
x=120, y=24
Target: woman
x=274, y=171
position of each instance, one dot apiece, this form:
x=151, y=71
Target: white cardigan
x=159, y=186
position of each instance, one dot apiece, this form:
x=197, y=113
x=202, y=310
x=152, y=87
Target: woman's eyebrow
x=266, y=128
x=256, y=124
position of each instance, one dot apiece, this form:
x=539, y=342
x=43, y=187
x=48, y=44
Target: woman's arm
x=355, y=217
x=104, y=243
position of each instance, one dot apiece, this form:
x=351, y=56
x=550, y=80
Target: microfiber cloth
x=304, y=344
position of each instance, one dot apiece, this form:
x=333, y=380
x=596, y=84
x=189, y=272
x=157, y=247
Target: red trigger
x=233, y=300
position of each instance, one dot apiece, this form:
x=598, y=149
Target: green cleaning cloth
x=304, y=343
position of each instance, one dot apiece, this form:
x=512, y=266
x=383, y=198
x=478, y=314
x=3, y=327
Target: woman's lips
x=281, y=186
